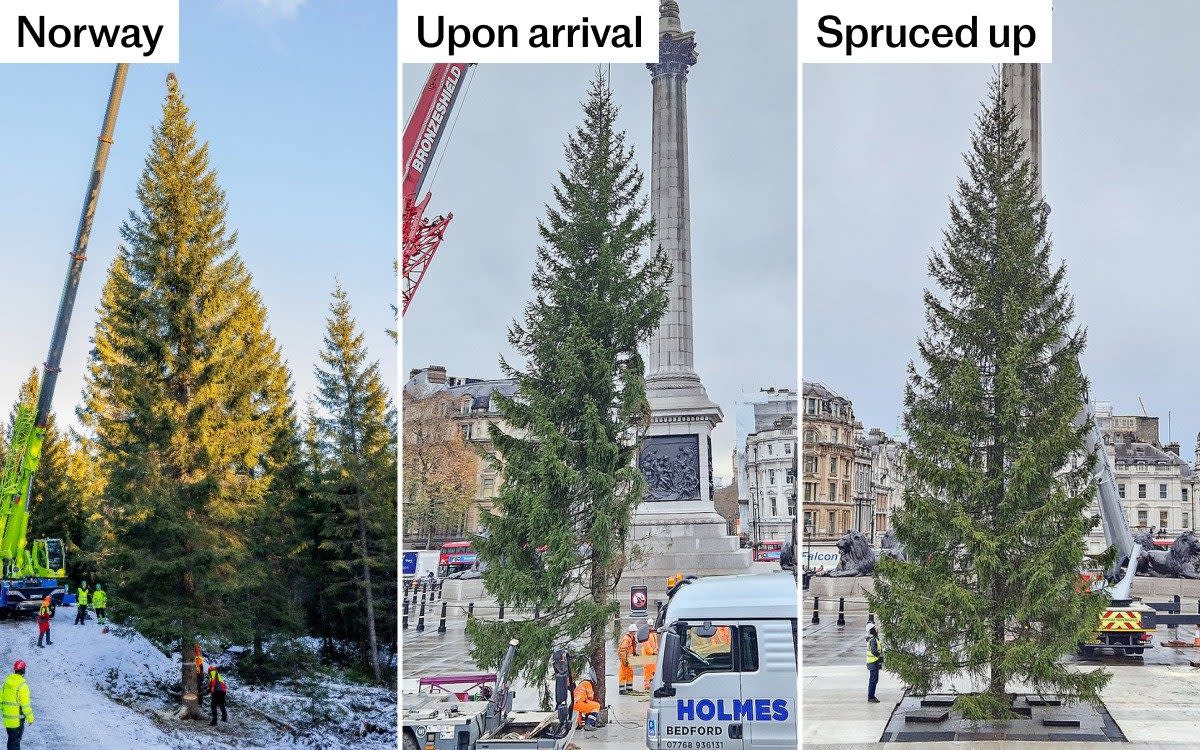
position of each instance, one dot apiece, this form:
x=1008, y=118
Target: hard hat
x=631, y=629
x=98, y=587
x=588, y=674
x=19, y=665
x=46, y=599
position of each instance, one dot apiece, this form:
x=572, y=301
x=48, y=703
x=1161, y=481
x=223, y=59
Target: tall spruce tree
x=993, y=521
x=357, y=430
x=185, y=392
x=572, y=430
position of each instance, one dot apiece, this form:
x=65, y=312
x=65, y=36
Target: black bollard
x=442, y=624
x=841, y=611
x=471, y=609
x=816, y=618
x=501, y=610
x=421, y=618
x=406, y=618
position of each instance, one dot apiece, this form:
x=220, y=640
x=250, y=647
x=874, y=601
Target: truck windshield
x=699, y=654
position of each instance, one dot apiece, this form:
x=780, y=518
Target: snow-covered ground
x=113, y=692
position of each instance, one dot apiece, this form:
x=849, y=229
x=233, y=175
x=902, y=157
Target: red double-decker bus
x=455, y=556
x=768, y=551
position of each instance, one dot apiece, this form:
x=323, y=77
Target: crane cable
x=462, y=103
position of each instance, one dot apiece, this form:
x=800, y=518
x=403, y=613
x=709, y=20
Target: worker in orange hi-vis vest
x=649, y=648
x=721, y=637
x=585, y=700
x=625, y=649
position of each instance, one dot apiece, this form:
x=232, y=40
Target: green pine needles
x=190, y=402
x=993, y=521
x=571, y=433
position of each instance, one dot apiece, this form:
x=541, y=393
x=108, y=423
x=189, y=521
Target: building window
x=808, y=522
x=770, y=449
x=791, y=476
x=846, y=491
x=833, y=466
x=791, y=503
x=810, y=492
x=846, y=470
x=810, y=464
x=1162, y=519
x=1121, y=490
x=774, y=506
x=833, y=434
x=465, y=407
x=1143, y=517
x=770, y=476
x=1185, y=499
x=1142, y=491
x=833, y=492
x=810, y=406
x=787, y=449
x=1186, y=518
x=810, y=436
x=466, y=431
x=1162, y=491
x=488, y=483
x=832, y=522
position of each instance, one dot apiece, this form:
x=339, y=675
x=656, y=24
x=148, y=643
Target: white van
x=727, y=667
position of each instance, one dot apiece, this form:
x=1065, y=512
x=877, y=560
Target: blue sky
x=298, y=103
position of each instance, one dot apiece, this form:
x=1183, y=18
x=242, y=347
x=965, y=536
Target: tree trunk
x=366, y=565
x=998, y=678
x=191, y=686
x=596, y=639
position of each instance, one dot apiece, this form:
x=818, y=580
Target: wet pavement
x=428, y=653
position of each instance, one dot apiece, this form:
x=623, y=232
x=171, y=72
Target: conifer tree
x=184, y=393
x=571, y=432
x=993, y=522
x=357, y=430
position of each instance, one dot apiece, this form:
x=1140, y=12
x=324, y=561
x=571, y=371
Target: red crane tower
x=422, y=135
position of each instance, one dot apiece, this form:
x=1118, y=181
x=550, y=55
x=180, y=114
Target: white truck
x=726, y=674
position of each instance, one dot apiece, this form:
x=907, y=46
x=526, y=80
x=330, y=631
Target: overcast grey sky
x=501, y=160
x=1121, y=150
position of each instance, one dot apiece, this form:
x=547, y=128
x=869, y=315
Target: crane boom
x=422, y=134
x=66, y=303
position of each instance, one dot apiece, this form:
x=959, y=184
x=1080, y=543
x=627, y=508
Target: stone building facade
x=1156, y=485
x=887, y=479
x=830, y=454
x=771, y=474
x=474, y=410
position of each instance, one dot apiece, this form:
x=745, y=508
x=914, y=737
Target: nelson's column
x=676, y=529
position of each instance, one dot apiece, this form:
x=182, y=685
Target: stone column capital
x=676, y=53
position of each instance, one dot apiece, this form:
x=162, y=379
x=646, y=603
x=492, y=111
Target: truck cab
x=726, y=676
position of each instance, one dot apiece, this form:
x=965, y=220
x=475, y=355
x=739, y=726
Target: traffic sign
x=638, y=596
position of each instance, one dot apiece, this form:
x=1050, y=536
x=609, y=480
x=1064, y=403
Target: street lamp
x=808, y=536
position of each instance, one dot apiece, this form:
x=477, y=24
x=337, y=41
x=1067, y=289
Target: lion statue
x=857, y=557
x=891, y=547
x=1182, y=560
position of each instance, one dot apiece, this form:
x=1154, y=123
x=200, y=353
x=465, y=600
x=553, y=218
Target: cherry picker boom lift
x=29, y=575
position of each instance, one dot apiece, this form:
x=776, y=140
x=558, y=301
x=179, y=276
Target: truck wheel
x=1086, y=652
x=410, y=742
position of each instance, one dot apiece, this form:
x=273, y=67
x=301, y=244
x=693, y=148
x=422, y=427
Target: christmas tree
x=188, y=397
x=571, y=432
x=993, y=521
